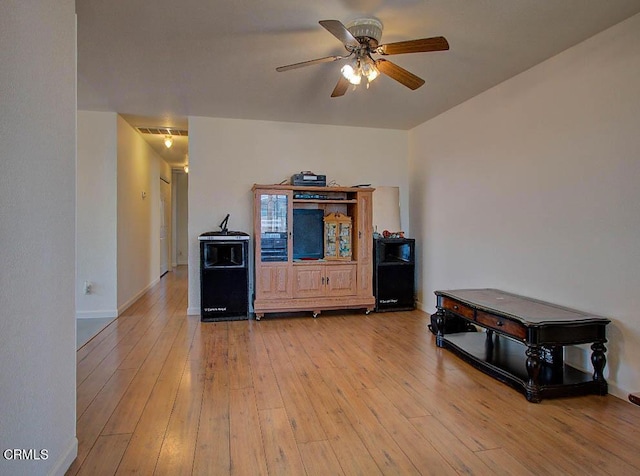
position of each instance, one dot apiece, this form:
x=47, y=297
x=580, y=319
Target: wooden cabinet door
x=340, y=280
x=309, y=281
x=365, y=244
x=365, y=225
x=272, y=226
x=319, y=281
x=273, y=281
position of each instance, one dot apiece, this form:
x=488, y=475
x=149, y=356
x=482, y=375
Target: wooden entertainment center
x=292, y=277
x=523, y=345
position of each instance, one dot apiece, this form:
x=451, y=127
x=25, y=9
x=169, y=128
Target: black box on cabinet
x=309, y=179
x=394, y=274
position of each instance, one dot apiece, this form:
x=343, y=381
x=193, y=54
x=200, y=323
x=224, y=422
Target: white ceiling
x=158, y=62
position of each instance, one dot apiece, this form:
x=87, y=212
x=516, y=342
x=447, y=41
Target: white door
x=165, y=225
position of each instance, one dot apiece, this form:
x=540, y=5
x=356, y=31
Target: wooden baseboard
x=634, y=398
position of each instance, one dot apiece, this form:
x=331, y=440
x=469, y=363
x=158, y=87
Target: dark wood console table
x=524, y=340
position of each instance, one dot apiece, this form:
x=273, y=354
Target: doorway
x=165, y=225
x=180, y=232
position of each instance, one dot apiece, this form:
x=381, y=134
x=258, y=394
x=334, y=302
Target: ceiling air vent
x=163, y=131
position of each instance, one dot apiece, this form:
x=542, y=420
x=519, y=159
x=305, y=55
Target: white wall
x=534, y=187
x=118, y=231
x=138, y=215
x=96, y=214
x=226, y=157
x=37, y=233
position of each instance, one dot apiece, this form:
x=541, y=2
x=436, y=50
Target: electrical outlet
x=87, y=287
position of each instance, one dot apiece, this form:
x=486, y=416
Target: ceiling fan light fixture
x=369, y=70
x=351, y=73
x=168, y=141
x=363, y=66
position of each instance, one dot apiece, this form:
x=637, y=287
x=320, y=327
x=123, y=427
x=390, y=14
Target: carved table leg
x=599, y=360
x=440, y=328
x=488, y=346
x=533, y=369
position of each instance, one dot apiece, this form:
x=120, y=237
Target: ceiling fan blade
x=340, y=31
x=401, y=75
x=326, y=59
x=341, y=87
x=424, y=45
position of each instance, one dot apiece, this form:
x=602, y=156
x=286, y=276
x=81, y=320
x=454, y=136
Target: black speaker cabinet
x=394, y=274
x=224, y=280
x=225, y=294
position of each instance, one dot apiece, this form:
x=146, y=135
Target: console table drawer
x=457, y=308
x=501, y=324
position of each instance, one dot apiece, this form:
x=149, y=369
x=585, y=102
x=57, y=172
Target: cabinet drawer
x=457, y=308
x=501, y=324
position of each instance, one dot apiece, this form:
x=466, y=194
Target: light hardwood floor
x=160, y=392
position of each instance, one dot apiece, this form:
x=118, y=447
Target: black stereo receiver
x=310, y=196
x=309, y=179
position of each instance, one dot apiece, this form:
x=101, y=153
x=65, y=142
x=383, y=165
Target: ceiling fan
x=361, y=39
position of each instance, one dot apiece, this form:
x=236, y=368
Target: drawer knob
x=455, y=307
x=500, y=323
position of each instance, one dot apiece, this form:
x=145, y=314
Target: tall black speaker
x=394, y=274
x=224, y=294
x=224, y=276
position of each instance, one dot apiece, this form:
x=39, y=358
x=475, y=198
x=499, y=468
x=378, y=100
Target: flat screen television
x=308, y=232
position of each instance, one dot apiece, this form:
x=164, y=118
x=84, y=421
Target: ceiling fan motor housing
x=368, y=28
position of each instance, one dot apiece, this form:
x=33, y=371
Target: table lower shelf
x=504, y=359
